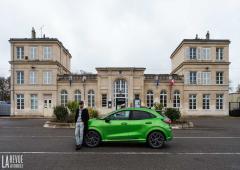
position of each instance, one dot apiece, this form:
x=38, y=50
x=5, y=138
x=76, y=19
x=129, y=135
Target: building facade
x=41, y=79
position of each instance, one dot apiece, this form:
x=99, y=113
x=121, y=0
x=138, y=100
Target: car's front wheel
x=92, y=138
x=156, y=140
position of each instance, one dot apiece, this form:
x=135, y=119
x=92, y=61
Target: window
x=139, y=115
x=77, y=96
x=176, y=99
x=206, y=55
x=32, y=78
x=91, y=98
x=219, y=77
x=120, y=91
x=206, y=78
x=193, y=77
x=20, y=53
x=206, y=102
x=122, y=115
x=47, y=77
x=20, y=77
x=34, y=102
x=64, y=97
x=193, y=53
x=219, y=54
x=149, y=98
x=104, y=100
x=47, y=53
x=33, y=53
x=192, y=101
x=163, y=98
x=219, y=101
x=20, y=101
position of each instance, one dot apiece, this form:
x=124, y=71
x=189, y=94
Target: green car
x=130, y=125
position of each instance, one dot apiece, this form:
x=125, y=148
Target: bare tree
x=4, y=89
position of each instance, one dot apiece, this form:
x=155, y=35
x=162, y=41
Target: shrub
x=172, y=113
x=73, y=106
x=61, y=113
x=158, y=106
x=71, y=118
x=93, y=113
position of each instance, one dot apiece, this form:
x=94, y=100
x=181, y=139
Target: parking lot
x=214, y=143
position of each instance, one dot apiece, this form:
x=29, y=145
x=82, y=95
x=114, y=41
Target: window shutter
x=204, y=53
x=209, y=78
x=199, y=77
x=187, y=77
x=187, y=53
x=208, y=54
x=199, y=53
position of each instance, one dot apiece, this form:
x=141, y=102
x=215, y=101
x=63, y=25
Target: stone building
x=41, y=79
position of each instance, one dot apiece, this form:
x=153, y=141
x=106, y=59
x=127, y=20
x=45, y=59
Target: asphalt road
x=214, y=143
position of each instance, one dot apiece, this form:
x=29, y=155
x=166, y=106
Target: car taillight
x=167, y=120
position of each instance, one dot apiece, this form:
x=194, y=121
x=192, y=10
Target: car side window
x=139, y=115
x=122, y=115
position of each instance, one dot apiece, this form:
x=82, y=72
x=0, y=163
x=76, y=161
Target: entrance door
x=120, y=103
x=120, y=93
x=47, y=105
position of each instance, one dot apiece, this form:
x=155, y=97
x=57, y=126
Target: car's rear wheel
x=92, y=139
x=156, y=139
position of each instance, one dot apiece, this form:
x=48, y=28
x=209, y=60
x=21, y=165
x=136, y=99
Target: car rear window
x=139, y=115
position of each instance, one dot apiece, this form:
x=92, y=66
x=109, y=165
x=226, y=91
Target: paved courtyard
x=214, y=143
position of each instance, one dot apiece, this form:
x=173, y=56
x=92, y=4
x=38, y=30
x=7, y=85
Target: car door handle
x=148, y=122
x=123, y=123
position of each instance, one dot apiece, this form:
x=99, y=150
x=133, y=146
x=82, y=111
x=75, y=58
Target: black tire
x=92, y=139
x=156, y=139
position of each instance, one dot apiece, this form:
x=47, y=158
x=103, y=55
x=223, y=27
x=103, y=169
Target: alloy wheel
x=156, y=140
x=92, y=139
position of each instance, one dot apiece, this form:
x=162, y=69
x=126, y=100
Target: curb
x=183, y=126
x=49, y=124
x=24, y=117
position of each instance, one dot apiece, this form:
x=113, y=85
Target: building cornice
x=120, y=69
x=38, y=62
x=198, y=63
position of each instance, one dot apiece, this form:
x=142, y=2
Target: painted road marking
x=127, y=153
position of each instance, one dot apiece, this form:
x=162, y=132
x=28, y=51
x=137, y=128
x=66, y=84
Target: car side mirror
x=107, y=120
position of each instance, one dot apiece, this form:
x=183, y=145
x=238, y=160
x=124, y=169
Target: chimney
x=33, y=33
x=207, y=35
x=196, y=36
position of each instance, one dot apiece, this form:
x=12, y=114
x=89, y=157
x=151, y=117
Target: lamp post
x=171, y=83
x=70, y=80
x=157, y=80
x=84, y=78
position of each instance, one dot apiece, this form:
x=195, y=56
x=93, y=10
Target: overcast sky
x=136, y=33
